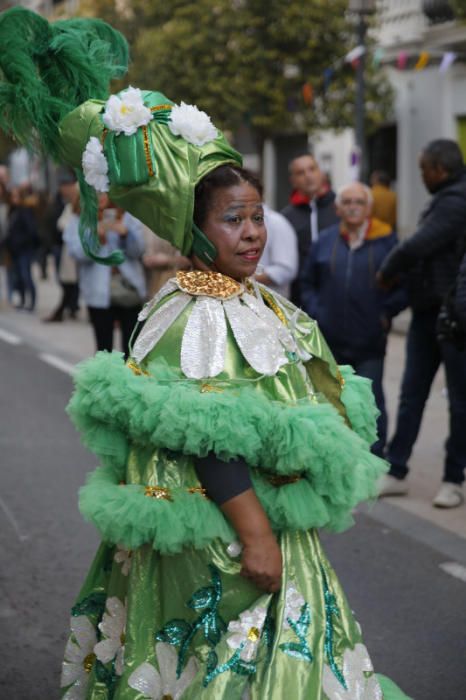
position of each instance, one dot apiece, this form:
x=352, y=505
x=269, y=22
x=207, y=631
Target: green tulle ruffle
x=359, y=403
x=116, y=410
x=124, y=515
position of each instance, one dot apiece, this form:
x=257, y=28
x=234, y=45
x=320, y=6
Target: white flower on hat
x=95, y=166
x=192, y=124
x=126, y=113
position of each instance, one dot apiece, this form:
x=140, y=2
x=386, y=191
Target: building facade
x=429, y=103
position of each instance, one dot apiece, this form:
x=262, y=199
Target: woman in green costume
x=229, y=436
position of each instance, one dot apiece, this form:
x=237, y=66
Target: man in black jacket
x=430, y=259
x=311, y=209
x=460, y=295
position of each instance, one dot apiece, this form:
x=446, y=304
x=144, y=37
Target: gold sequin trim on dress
x=136, y=369
x=270, y=301
x=207, y=388
x=161, y=493
x=145, y=137
x=158, y=492
x=340, y=378
x=199, y=490
x=208, y=284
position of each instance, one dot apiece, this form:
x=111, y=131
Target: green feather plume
x=46, y=71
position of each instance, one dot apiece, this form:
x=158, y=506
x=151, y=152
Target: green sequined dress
x=164, y=613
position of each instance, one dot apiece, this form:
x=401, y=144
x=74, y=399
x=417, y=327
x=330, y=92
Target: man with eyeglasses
x=338, y=289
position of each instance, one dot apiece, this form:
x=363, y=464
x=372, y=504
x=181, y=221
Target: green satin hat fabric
x=152, y=173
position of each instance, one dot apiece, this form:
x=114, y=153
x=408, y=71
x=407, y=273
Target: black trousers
x=424, y=354
x=103, y=323
x=69, y=299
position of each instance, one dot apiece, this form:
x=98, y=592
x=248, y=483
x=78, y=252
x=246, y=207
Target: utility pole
x=361, y=8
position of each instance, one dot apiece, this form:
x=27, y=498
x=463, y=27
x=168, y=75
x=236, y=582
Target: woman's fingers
x=268, y=583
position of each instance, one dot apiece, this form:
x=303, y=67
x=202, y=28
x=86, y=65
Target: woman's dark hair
x=220, y=178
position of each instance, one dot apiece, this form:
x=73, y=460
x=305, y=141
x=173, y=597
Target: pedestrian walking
x=21, y=244
x=338, y=289
x=67, y=265
x=310, y=210
x=113, y=294
x=226, y=438
x=430, y=259
x=279, y=262
x=4, y=258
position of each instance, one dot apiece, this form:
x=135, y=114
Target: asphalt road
x=412, y=612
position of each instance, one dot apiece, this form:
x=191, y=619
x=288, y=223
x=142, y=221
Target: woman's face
x=235, y=225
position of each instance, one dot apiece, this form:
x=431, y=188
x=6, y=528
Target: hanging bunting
x=292, y=104
x=379, y=53
x=328, y=75
x=355, y=53
x=402, y=60
x=308, y=93
x=422, y=61
x=447, y=60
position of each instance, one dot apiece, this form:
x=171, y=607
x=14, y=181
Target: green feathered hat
x=148, y=154
x=145, y=151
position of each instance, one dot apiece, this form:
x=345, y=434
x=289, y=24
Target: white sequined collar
x=264, y=341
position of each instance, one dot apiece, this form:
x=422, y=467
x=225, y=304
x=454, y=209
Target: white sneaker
x=391, y=486
x=449, y=496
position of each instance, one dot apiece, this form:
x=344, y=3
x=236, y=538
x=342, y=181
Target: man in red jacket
x=311, y=208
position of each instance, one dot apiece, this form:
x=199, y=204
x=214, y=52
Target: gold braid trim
x=270, y=301
x=145, y=137
x=158, y=492
x=158, y=108
x=136, y=369
x=161, y=493
x=206, y=388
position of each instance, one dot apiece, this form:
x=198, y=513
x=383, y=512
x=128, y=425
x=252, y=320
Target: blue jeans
x=22, y=266
x=423, y=357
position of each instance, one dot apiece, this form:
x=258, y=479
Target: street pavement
x=403, y=565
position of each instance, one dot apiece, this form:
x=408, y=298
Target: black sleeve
x=222, y=480
x=438, y=231
x=461, y=292
x=308, y=282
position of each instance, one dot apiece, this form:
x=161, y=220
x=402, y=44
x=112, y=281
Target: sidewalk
x=73, y=341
